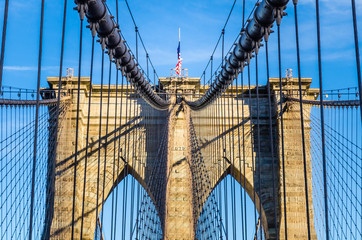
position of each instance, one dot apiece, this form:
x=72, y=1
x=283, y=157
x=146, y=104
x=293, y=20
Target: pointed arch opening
x=129, y=212
x=230, y=213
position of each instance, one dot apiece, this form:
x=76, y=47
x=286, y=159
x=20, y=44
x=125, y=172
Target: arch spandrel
x=135, y=143
x=233, y=144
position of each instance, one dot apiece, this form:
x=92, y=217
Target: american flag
x=179, y=62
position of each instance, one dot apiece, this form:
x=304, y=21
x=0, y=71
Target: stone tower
x=173, y=196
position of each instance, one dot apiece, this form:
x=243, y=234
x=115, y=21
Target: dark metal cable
x=244, y=159
x=50, y=208
x=301, y=117
x=140, y=157
x=87, y=136
x=231, y=11
x=244, y=221
x=118, y=49
x=126, y=171
x=251, y=140
x=3, y=39
x=99, y=138
x=36, y=121
x=140, y=37
x=132, y=133
x=220, y=157
x=355, y=31
x=220, y=36
x=77, y=125
x=239, y=152
x=322, y=122
x=135, y=157
x=224, y=142
x=113, y=213
x=258, y=133
x=271, y=140
x=241, y=52
x=106, y=138
x=282, y=134
x=232, y=156
x=118, y=155
x=243, y=14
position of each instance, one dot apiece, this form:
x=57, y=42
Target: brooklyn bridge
x=265, y=144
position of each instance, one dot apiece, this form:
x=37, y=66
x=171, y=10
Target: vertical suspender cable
x=87, y=137
x=211, y=71
x=106, y=138
x=282, y=134
x=36, y=122
x=119, y=154
x=204, y=84
x=148, y=70
x=239, y=154
x=224, y=146
x=245, y=236
x=233, y=158
x=322, y=122
x=115, y=136
x=139, y=158
x=301, y=117
x=219, y=158
x=258, y=135
x=113, y=235
x=271, y=140
x=134, y=160
x=245, y=228
x=6, y=10
x=251, y=140
x=125, y=187
x=220, y=147
x=158, y=80
x=50, y=211
x=77, y=125
x=358, y=62
x=133, y=145
x=99, y=139
x=114, y=152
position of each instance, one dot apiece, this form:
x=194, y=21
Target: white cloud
x=28, y=68
x=19, y=68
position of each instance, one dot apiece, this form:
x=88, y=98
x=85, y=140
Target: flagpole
x=178, y=66
x=179, y=42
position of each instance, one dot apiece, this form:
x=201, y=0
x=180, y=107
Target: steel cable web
x=16, y=149
x=258, y=28
x=102, y=23
x=343, y=171
x=232, y=147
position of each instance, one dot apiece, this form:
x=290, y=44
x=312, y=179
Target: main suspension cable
x=257, y=29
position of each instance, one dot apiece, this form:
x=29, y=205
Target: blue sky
x=200, y=22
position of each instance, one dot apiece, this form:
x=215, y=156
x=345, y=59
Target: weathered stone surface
x=138, y=139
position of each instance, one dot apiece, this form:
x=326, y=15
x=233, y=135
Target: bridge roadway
x=149, y=137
